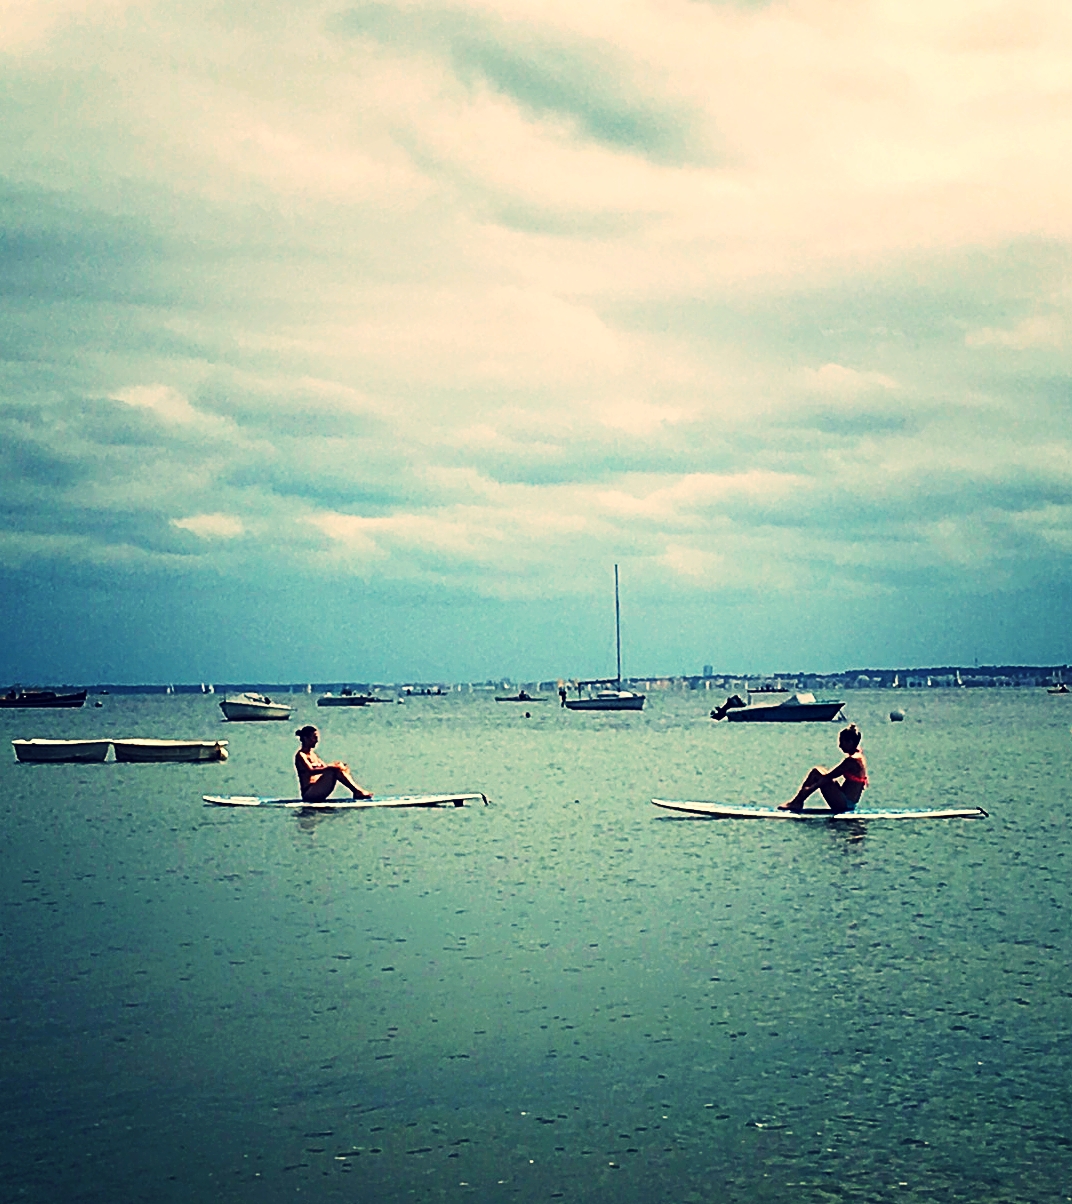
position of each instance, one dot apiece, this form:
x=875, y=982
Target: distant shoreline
x=906, y=677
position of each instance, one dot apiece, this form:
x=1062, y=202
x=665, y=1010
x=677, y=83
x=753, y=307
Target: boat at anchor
x=801, y=707
x=251, y=706
x=609, y=699
x=18, y=697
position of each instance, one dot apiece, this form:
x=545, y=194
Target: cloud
x=473, y=300
x=211, y=526
x=1050, y=330
x=552, y=74
x=163, y=401
x=835, y=380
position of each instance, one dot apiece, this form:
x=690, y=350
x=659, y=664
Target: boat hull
x=634, y=702
x=170, y=750
x=43, y=698
x=46, y=751
x=251, y=710
x=342, y=700
x=809, y=712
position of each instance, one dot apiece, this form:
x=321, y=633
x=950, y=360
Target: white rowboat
x=60, y=750
x=170, y=750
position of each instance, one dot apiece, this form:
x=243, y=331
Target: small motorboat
x=18, y=697
x=344, y=698
x=1058, y=689
x=520, y=696
x=253, y=706
x=170, y=750
x=60, y=750
x=802, y=707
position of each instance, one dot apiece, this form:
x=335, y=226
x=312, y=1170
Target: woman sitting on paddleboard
x=843, y=795
x=318, y=779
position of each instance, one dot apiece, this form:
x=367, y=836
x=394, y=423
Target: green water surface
x=564, y=995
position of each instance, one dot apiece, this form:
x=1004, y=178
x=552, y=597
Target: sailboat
x=608, y=699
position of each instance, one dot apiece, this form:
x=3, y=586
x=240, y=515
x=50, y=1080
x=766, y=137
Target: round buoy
x=896, y=716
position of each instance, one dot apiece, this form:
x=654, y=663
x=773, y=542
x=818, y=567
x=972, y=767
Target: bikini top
x=861, y=774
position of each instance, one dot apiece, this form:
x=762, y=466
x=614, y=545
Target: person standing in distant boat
x=561, y=696
x=840, y=795
x=316, y=777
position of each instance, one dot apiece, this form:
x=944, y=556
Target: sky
x=360, y=341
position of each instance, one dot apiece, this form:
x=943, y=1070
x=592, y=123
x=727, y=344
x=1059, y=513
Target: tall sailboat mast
x=618, y=627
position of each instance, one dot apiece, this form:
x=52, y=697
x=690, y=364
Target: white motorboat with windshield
x=254, y=706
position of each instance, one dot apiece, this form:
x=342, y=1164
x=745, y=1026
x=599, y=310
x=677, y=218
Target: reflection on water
x=562, y=995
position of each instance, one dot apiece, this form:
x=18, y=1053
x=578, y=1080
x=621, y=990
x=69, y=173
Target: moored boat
x=18, y=697
x=60, y=750
x=252, y=706
x=606, y=700
x=344, y=698
x=170, y=750
x=520, y=696
x=802, y=707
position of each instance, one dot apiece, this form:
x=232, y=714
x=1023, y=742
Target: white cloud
x=211, y=526
x=835, y=380
x=1049, y=330
x=164, y=401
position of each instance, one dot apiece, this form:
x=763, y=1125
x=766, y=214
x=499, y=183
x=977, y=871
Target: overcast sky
x=360, y=341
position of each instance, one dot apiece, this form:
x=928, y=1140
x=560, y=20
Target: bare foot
x=792, y=805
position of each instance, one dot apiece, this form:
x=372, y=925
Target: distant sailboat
x=607, y=700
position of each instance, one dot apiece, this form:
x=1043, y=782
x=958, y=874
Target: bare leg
x=342, y=774
x=808, y=786
x=326, y=780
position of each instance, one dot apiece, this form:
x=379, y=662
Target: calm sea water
x=564, y=995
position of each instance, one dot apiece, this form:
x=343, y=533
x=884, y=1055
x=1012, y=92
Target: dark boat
x=520, y=696
x=18, y=697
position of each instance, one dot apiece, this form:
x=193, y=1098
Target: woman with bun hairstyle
x=317, y=778
x=840, y=795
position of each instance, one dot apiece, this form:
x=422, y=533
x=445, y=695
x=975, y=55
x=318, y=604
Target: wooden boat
x=802, y=707
x=251, y=706
x=18, y=697
x=170, y=750
x=60, y=750
x=615, y=699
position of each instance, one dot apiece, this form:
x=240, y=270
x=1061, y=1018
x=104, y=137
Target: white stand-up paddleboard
x=346, y=804
x=719, y=811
